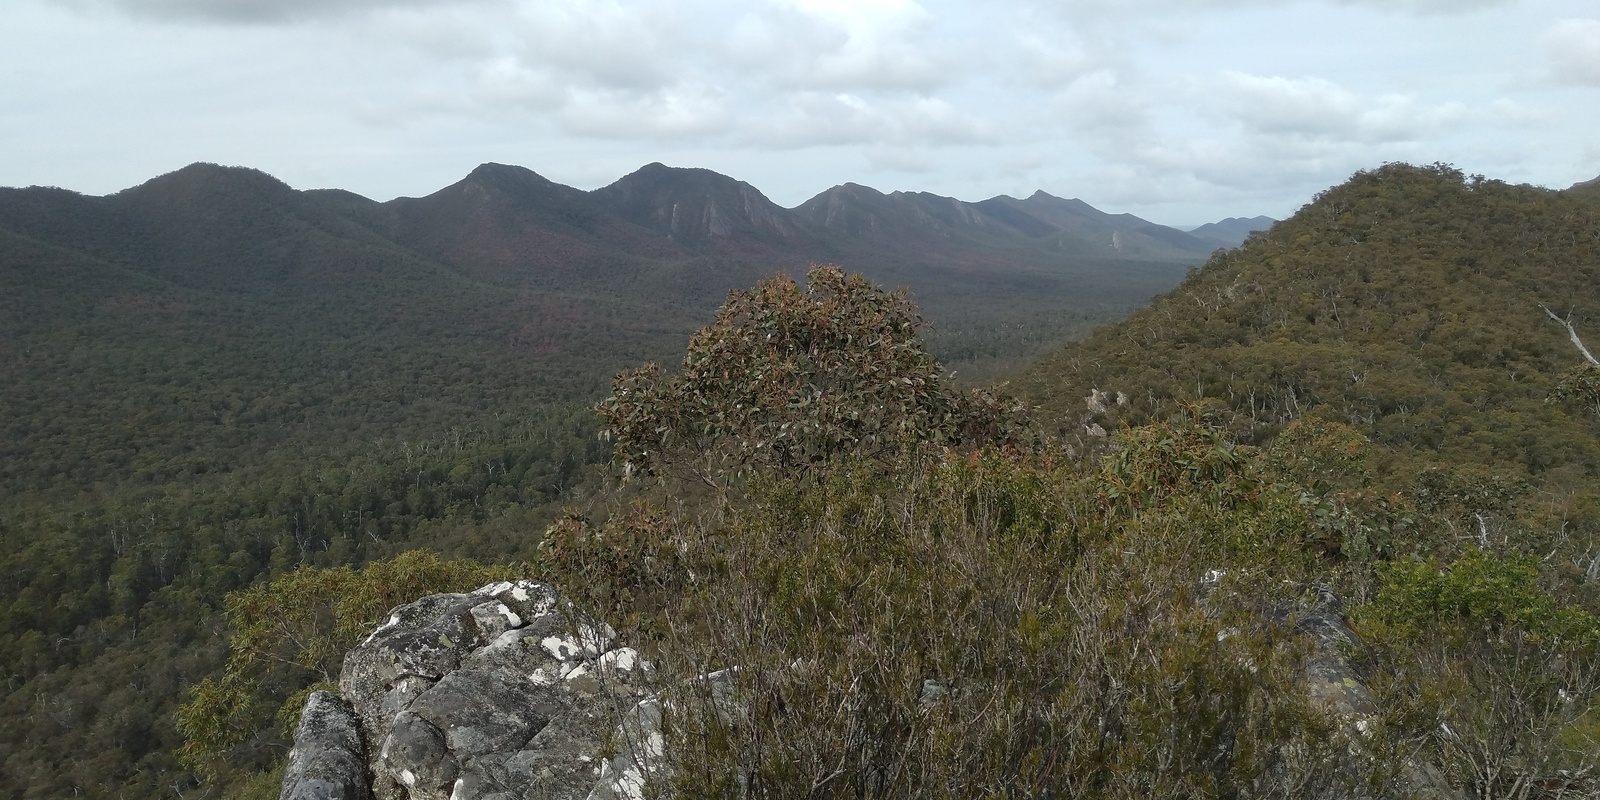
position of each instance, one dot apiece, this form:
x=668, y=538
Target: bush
x=975, y=625
x=793, y=380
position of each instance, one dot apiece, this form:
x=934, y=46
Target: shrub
x=794, y=379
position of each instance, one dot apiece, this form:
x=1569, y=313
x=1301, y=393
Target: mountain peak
x=1233, y=230
x=203, y=178
x=490, y=170
x=507, y=178
x=694, y=205
x=657, y=177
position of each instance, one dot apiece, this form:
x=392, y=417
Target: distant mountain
x=698, y=207
x=1587, y=189
x=1232, y=231
x=1042, y=221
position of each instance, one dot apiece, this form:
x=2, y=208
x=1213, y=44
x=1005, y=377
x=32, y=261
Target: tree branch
x=1572, y=332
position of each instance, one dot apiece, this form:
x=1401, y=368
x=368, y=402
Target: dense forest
x=213, y=380
x=1436, y=314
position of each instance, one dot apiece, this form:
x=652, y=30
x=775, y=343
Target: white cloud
x=604, y=42
x=824, y=45
x=674, y=113
x=251, y=11
x=1318, y=109
x=1103, y=100
x=815, y=119
x=1573, y=46
x=1057, y=57
x=1429, y=6
x=1080, y=8
x=860, y=17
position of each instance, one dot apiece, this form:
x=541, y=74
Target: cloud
x=1573, y=47
x=1317, y=109
x=811, y=119
x=1057, y=58
x=605, y=43
x=1098, y=8
x=676, y=112
x=830, y=46
x=1107, y=107
x=252, y=11
x=1429, y=6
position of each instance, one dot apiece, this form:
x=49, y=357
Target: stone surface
x=1335, y=682
x=328, y=761
x=504, y=693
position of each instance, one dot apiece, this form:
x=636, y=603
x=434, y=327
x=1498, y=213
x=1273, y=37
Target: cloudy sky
x=1181, y=111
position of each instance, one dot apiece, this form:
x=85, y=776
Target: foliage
x=1152, y=463
x=1405, y=303
x=289, y=635
x=983, y=625
x=1487, y=672
x=911, y=614
x=1497, y=592
x=793, y=380
x=932, y=624
x=1580, y=388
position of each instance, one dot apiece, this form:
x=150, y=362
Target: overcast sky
x=1180, y=111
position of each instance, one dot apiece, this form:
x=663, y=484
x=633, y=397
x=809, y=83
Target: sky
x=1179, y=111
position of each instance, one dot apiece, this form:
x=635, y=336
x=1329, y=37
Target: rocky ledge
x=504, y=693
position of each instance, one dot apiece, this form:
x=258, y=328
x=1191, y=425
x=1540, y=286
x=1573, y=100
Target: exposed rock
x=327, y=762
x=1331, y=679
x=1335, y=682
x=505, y=693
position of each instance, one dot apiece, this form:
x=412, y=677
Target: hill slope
x=1409, y=303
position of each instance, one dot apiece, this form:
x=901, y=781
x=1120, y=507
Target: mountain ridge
x=709, y=206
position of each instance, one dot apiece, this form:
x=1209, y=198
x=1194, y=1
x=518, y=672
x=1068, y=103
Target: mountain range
x=656, y=247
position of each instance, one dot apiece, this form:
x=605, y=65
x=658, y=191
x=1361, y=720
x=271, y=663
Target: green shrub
x=791, y=380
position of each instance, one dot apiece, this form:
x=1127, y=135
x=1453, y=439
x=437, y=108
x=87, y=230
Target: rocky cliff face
x=504, y=693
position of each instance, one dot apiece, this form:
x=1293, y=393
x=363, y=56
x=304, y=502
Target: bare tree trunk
x=1572, y=332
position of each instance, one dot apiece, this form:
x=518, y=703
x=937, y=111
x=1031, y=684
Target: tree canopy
x=794, y=379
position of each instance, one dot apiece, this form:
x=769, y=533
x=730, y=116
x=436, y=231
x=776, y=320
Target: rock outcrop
x=504, y=693
x=328, y=761
x=1335, y=682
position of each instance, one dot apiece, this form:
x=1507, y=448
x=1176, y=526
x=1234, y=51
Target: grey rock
x=504, y=693
x=1335, y=681
x=414, y=754
x=328, y=761
x=488, y=712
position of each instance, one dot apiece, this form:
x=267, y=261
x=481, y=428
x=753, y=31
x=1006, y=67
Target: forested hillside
x=1413, y=303
x=212, y=378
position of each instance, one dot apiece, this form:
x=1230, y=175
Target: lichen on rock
x=505, y=693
